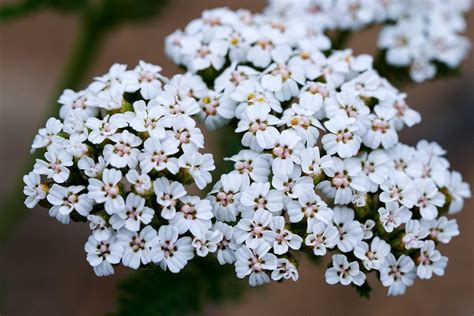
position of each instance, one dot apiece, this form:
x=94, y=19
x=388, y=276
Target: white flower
x=281, y=238
x=176, y=103
x=202, y=55
x=430, y=261
x=34, y=190
x=250, y=230
x=226, y=246
x=341, y=138
x=344, y=272
x=107, y=191
x=321, y=238
x=123, y=152
x=414, y=233
x=141, y=182
x=283, y=80
x=375, y=166
x=234, y=76
x=345, y=175
x=207, y=242
x=134, y=214
x=286, y=152
x=293, y=184
x=350, y=230
x=373, y=256
x=225, y=196
x=259, y=197
x=186, y=132
x=198, y=165
x=147, y=78
x=216, y=109
x=393, y=215
x=167, y=195
x=458, y=190
x=171, y=252
x=380, y=130
x=428, y=198
x=312, y=164
x=251, y=165
x=137, y=246
x=250, y=94
x=257, y=125
x=397, y=274
x=90, y=167
x=269, y=45
x=108, y=126
x=77, y=103
x=285, y=270
x=311, y=207
x=68, y=199
x=101, y=229
x=442, y=230
x=103, y=254
x=398, y=188
x=254, y=262
x=157, y=155
x=150, y=118
x=55, y=167
x=306, y=126
x=193, y=215
x=48, y=135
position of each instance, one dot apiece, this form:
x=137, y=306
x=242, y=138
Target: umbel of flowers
x=322, y=170
x=422, y=36
x=120, y=157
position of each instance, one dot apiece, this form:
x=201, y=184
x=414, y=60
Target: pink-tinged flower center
x=265, y=44
x=256, y=264
x=260, y=202
x=401, y=107
x=283, y=71
x=147, y=76
x=111, y=190
x=225, y=198
x=159, y=157
x=103, y=248
x=380, y=125
x=258, y=126
x=168, y=248
x=72, y=198
x=344, y=136
x=257, y=230
x=203, y=52
x=137, y=243
x=183, y=136
x=244, y=167
x=310, y=210
x=397, y=274
x=340, y=180
x=122, y=149
x=368, y=167
x=237, y=77
x=150, y=123
x=282, y=151
x=134, y=213
x=188, y=211
x=351, y=111
x=79, y=104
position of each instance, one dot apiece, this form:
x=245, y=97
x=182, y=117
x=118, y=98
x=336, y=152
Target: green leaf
x=153, y=291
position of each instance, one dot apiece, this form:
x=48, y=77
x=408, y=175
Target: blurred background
x=42, y=263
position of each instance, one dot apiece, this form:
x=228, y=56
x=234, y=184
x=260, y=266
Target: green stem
x=340, y=39
x=85, y=49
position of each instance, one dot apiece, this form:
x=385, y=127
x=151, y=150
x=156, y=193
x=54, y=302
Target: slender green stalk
x=85, y=49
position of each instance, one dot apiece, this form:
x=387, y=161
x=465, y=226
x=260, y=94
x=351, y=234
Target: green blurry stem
x=86, y=47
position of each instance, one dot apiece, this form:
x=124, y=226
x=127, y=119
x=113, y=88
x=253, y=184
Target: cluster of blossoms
x=120, y=157
x=321, y=169
x=418, y=35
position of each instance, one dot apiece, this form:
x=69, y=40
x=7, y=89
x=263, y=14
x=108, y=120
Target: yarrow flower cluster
x=120, y=157
x=418, y=35
x=322, y=169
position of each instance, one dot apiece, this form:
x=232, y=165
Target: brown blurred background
x=43, y=266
